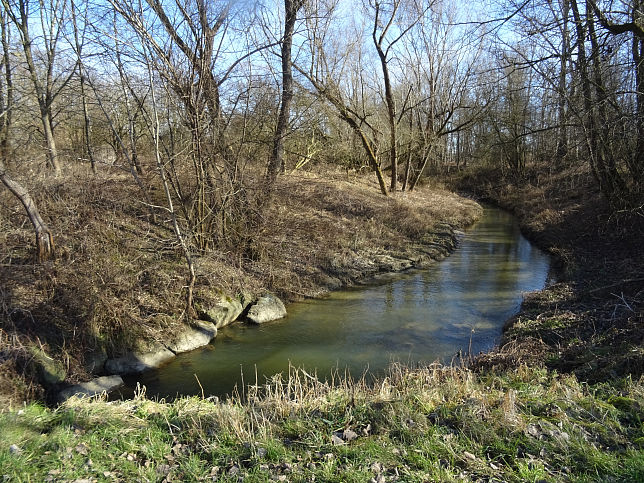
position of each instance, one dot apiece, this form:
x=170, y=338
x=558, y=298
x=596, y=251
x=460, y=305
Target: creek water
x=458, y=304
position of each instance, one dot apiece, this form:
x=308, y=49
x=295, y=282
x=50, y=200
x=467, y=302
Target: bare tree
x=389, y=28
x=325, y=73
x=443, y=67
x=79, y=36
x=47, y=85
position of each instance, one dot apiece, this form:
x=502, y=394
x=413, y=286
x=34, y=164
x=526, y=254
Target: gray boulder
x=136, y=362
x=199, y=334
x=91, y=388
x=268, y=307
x=223, y=312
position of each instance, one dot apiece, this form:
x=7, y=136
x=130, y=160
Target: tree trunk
x=389, y=100
x=562, y=141
x=87, y=127
x=420, y=171
x=589, y=118
x=44, y=237
x=612, y=182
x=52, y=151
x=637, y=166
x=371, y=155
x=276, y=161
x=8, y=97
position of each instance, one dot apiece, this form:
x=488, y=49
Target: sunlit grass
x=430, y=424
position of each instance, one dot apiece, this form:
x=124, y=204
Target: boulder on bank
x=50, y=371
x=91, y=388
x=198, y=334
x=136, y=362
x=222, y=312
x=267, y=308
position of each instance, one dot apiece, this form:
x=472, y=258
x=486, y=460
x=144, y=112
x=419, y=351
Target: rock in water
x=223, y=312
x=198, y=334
x=91, y=388
x=268, y=307
x=136, y=362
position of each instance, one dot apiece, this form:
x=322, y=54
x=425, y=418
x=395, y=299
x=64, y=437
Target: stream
x=458, y=304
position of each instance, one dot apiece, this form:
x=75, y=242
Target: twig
x=618, y=284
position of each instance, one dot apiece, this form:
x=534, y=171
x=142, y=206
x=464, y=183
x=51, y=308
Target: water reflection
x=460, y=302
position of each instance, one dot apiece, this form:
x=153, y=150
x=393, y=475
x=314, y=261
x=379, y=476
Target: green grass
x=432, y=424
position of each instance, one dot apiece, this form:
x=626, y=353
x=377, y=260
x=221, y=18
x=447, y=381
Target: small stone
x=234, y=470
x=336, y=440
x=469, y=456
x=349, y=435
x=14, y=449
x=81, y=449
x=261, y=452
x=378, y=479
x=377, y=468
x=533, y=430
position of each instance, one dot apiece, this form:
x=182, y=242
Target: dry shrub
x=529, y=352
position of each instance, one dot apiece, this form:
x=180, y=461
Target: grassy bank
x=119, y=277
x=430, y=424
x=590, y=323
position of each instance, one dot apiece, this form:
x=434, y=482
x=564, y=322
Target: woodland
x=160, y=157
x=154, y=154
